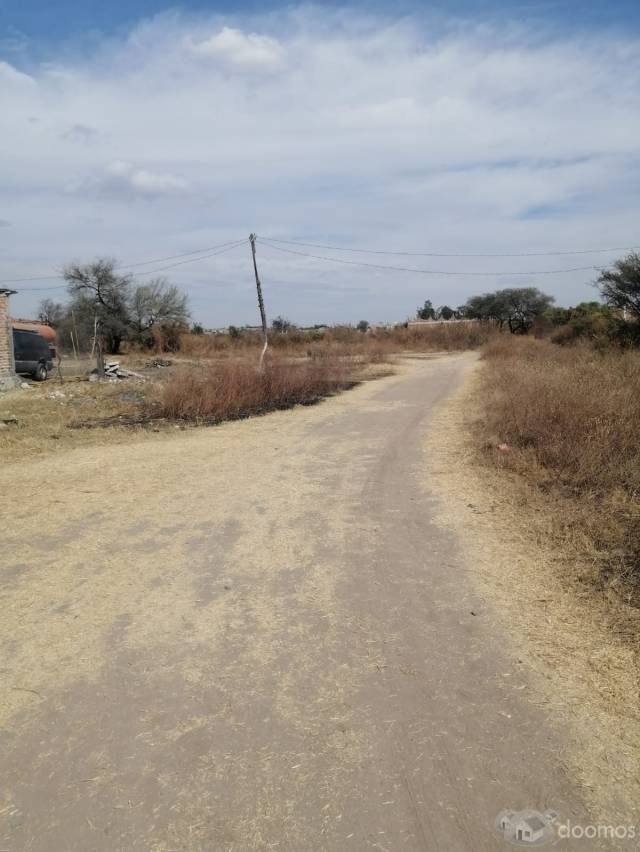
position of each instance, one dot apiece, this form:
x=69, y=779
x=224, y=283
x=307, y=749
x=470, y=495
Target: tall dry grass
x=570, y=417
x=344, y=341
x=236, y=388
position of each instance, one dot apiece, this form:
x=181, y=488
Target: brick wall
x=6, y=339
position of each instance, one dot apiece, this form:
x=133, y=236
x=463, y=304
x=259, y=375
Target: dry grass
x=344, y=341
x=48, y=414
x=236, y=388
x=570, y=419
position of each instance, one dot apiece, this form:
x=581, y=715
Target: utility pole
x=263, y=316
x=98, y=344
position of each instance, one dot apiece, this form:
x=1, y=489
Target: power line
x=42, y=289
x=425, y=271
x=451, y=254
x=231, y=244
x=228, y=247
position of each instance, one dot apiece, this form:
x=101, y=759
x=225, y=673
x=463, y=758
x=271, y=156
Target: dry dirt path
x=257, y=637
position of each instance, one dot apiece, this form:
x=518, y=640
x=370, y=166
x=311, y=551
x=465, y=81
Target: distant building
x=429, y=323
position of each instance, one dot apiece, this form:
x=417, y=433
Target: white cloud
x=248, y=51
x=122, y=179
x=372, y=132
x=145, y=181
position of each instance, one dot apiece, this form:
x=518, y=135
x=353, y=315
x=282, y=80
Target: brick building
x=8, y=377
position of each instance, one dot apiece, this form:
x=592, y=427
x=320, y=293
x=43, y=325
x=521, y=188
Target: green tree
x=591, y=320
x=558, y=316
x=516, y=307
x=363, y=326
x=487, y=306
x=281, y=325
x=620, y=286
x=445, y=312
x=427, y=311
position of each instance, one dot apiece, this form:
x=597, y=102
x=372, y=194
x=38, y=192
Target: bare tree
x=158, y=303
x=99, y=287
x=51, y=313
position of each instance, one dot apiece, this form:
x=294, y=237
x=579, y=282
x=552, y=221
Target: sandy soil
x=261, y=636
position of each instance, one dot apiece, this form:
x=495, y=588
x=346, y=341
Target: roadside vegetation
x=565, y=418
x=301, y=367
x=235, y=388
x=374, y=343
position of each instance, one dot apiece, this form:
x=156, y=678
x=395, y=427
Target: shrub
x=236, y=388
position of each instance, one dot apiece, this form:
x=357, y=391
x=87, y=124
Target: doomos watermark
x=529, y=827
x=577, y=831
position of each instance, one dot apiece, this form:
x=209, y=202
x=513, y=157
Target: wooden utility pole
x=74, y=332
x=98, y=344
x=263, y=316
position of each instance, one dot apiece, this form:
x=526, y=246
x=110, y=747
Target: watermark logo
x=533, y=828
x=526, y=827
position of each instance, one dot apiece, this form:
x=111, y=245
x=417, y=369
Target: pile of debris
x=113, y=371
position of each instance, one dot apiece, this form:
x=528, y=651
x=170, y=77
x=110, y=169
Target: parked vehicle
x=33, y=354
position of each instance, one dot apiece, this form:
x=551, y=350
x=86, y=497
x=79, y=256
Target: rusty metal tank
x=43, y=330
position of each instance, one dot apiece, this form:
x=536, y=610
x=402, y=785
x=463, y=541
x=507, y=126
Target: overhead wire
x=418, y=271
x=183, y=262
x=214, y=249
x=220, y=250
x=451, y=254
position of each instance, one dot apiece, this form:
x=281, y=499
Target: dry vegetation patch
x=49, y=416
x=237, y=388
x=570, y=417
x=344, y=341
x=58, y=415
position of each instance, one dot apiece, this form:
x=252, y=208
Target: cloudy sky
x=141, y=131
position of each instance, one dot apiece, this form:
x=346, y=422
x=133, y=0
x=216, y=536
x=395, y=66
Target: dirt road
x=257, y=637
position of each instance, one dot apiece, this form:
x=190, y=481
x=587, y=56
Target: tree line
x=106, y=303
x=103, y=302
x=616, y=317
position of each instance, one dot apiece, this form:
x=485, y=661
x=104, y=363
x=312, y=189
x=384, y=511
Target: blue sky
x=139, y=131
x=45, y=21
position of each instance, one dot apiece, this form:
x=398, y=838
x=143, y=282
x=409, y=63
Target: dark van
x=33, y=354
